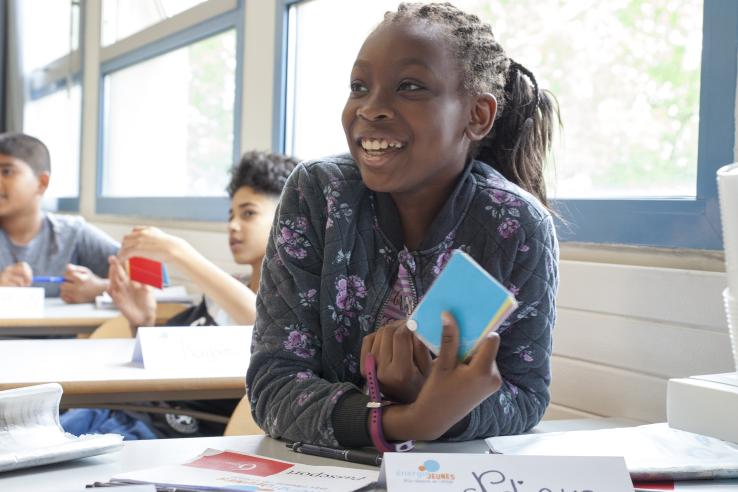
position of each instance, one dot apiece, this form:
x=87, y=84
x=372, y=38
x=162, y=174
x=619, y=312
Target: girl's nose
x=375, y=107
x=233, y=225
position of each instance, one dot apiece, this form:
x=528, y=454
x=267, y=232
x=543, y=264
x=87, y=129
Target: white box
x=21, y=302
x=705, y=405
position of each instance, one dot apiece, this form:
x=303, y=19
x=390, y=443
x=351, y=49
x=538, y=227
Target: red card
x=241, y=463
x=146, y=271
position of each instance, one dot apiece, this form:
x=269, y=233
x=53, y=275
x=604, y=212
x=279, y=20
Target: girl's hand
x=403, y=362
x=452, y=391
x=16, y=275
x=135, y=301
x=152, y=243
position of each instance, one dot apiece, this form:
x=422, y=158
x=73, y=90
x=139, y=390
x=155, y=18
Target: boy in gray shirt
x=38, y=243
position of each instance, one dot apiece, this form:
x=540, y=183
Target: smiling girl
x=447, y=136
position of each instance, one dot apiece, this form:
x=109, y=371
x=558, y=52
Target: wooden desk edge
x=80, y=392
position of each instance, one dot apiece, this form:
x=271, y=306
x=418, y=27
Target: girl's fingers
x=366, y=347
x=422, y=357
x=449, y=343
x=486, y=353
x=383, y=345
x=402, y=345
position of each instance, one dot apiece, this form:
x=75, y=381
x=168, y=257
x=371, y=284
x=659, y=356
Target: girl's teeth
x=379, y=144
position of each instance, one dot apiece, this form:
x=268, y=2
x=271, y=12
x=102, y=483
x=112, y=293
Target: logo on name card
x=241, y=463
x=427, y=472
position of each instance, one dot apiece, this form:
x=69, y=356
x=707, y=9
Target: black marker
x=352, y=455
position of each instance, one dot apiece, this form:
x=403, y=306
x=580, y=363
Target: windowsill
x=685, y=259
x=203, y=226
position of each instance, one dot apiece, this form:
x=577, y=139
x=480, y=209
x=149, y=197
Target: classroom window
x=55, y=119
x=169, y=107
x=53, y=105
x=121, y=18
x=629, y=77
x=168, y=122
x=58, y=20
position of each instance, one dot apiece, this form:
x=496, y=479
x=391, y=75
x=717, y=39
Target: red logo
x=241, y=463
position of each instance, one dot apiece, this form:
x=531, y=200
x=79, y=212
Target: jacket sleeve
x=525, y=343
x=289, y=399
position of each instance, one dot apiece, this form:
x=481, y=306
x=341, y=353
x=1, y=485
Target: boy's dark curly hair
x=263, y=172
x=29, y=149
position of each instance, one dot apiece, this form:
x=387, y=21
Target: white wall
x=622, y=331
x=629, y=318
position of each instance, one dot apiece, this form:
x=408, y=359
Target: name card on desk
x=22, y=302
x=498, y=473
x=197, y=348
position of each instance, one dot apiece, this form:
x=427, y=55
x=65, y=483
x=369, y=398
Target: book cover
x=477, y=301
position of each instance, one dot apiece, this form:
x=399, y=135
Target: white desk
x=99, y=371
x=137, y=455
x=59, y=318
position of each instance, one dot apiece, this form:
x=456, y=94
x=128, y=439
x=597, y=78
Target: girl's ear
x=482, y=116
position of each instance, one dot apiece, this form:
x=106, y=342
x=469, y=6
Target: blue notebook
x=477, y=301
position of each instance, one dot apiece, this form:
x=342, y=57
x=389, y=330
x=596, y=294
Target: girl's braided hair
x=522, y=134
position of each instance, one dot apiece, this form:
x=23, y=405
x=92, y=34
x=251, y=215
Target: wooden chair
x=117, y=327
x=167, y=310
x=241, y=422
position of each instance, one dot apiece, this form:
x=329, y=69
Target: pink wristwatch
x=375, y=413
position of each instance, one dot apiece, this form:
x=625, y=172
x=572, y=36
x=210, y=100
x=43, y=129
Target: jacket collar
x=447, y=220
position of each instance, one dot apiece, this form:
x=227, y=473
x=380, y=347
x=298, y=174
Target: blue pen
x=48, y=280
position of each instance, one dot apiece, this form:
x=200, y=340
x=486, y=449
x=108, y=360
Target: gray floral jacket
x=332, y=259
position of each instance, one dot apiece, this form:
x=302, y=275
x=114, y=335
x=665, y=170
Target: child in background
x=255, y=185
x=448, y=137
x=34, y=242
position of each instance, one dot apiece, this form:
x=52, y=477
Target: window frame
x=670, y=222
x=181, y=30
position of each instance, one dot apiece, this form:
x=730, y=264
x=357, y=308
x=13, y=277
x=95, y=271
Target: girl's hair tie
x=515, y=66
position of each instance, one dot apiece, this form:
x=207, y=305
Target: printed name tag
x=22, y=302
x=498, y=473
x=202, y=349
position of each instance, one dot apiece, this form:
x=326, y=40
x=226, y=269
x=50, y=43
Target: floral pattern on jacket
x=331, y=260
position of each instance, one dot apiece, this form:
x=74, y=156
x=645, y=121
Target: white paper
x=22, y=302
x=497, y=473
x=727, y=178
x=196, y=349
x=651, y=452
x=231, y=470
x=728, y=378
x=30, y=434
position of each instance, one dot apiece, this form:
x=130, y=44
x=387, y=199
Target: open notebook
x=30, y=434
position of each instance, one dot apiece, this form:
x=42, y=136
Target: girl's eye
x=247, y=213
x=410, y=86
x=358, y=87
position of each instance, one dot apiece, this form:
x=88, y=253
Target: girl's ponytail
x=522, y=135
